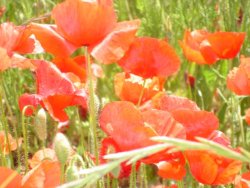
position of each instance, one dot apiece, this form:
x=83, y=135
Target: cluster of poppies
x=145, y=110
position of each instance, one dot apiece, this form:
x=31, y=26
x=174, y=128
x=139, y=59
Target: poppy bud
x=62, y=148
x=72, y=173
x=41, y=125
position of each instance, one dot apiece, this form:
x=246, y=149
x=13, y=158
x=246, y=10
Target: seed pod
x=41, y=125
x=62, y=148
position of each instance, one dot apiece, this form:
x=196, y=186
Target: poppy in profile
x=14, y=40
x=129, y=87
x=10, y=178
x=55, y=92
x=46, y=174
x=202, y=47
x=7, y=146
x=209, y=168
x=148, y=57
x=238, y=79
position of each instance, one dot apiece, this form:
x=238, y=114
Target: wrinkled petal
x=163, y=123
x=170, y=103
x=196, y=123
x=9, y=178
x=148, y=57
x=87, y=22
x=116, y=43
x=122, y=120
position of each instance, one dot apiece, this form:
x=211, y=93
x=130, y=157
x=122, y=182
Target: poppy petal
x=87, y=22
x=129, y=87
x=196, y=123
x=123, y=120
x=163, y=123
x=202, y=166
x=116, y=43
x=148, y=57
x=170, y=103
x=50, y=40
x=9, y=178
x=226, y=44
x=47, y=174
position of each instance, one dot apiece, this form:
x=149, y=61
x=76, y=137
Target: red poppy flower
x=9, y=178
x=47, y=174
x=87, y=22
x=210, y=168
x=148, y=57
x=203, y=47
x=129, y=87
x=11, y=145
x=13, y=40
x=238, y=79
x=55, y=92
x=139, y=126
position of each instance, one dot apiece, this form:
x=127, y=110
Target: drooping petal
x=87, y=22
x=50, y=40
x=196, y=123
x=47, y=174
x=116, y=43
x=122, y=120
x=148, y=57
x=9, y=178
x=6, y=146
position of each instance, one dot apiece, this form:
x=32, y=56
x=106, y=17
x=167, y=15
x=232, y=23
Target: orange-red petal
x=123, y=120
x=47, y=174
x=50, y=40
x=87, y=22
x=148, y=57
x=196, y=123
x=129, y=87
x=116, y=43
x=9, y=178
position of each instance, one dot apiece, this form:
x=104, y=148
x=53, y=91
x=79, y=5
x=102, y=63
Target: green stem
x=92, y=109
x=132, y=180
x=25, y=138
x=62, y=173
x=180, y=184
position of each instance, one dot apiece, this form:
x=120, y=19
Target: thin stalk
x=25, y=138
x=180, y=184
x=132, y=180
x=92, y=110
